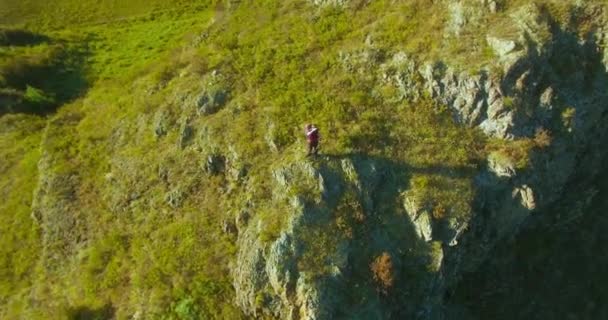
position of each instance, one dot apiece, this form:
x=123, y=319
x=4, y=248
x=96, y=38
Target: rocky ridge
x=521, y=94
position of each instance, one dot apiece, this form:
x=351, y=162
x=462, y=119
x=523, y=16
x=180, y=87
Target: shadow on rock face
x=551, y=263
x=341, y=215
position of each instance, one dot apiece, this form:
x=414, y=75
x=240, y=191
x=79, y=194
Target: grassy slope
x=43, y=15
x=280, y=62
x=19, y=141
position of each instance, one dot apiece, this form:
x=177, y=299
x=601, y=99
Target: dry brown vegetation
x=384, y=272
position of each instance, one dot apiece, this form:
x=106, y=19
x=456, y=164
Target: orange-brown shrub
x=383, y=270
x=543, y=138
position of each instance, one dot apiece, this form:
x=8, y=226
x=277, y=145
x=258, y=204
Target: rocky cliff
x=546, y=79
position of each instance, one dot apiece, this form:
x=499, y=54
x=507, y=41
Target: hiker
x=312, y=136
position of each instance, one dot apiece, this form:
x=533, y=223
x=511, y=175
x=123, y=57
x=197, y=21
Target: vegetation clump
x=383, y=271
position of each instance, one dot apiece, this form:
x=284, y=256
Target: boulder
x=502, y=47
x=526, y=196
x=501, y=166
x=161, y=124
x=186, y=135
x=229, y=227
x=210, y=102
x=215, y=164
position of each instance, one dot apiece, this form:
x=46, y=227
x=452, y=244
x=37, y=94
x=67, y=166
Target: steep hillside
x=153, y=162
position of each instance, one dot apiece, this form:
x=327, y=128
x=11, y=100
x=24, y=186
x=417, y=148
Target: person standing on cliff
x=312, y=137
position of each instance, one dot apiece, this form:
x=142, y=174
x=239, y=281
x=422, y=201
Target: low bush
x=384, y=272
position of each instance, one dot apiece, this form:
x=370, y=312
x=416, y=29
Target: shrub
x=517, y=151
x=568, y=116
x=383, y=271
x=186, y=309
x=509, y=102
x=439, y=212
x=542, y=138
x=38, y=98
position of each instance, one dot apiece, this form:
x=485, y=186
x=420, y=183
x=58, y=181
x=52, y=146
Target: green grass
x=20, y=244
x=131, y=46
x=63, y=14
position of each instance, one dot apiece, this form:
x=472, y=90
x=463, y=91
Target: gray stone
x=186, y=135
x=211, y=102
x=280, y=267
x=228, y=227
x=242, y=219
x=502, y=47
x=501, y=166
x=458, y=17
x=161, y=124
x=419, y=216
x=424, y=227
x=526, y=196
x=215, y=164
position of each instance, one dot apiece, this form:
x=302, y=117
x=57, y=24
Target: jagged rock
x=314, y=300
x=242, y=219
x=229, y=227
x=238, y=172
x=211, y=102
x=186, y=135
x=420, y=217
x=161, y=124
x=466, y=95
x=249, y=273
x=235, y=167
x=281, y=269
x=526, y=196
x=492, y=6
x=546, y=105
x=351, y=172
x=305, y=284
x=546, y=99
x=458, y=17
x=453, y=229
x=534, y=26
x=502, y=47
x=403, y=73
x=215, y=164
x=424, y=226
x=501, y=166
x=361, y=61
x=467, y=13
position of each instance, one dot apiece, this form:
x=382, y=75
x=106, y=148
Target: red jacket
x=312, y=135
